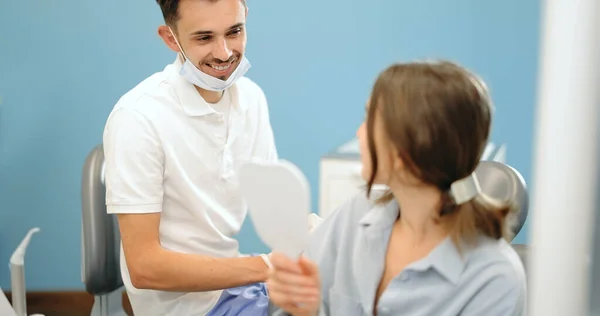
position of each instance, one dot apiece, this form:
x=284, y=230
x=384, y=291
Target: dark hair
x=438, y=116
x=170, y=9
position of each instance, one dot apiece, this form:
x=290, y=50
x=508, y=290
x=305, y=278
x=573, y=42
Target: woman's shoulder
x=496, y=259
x=494, y=280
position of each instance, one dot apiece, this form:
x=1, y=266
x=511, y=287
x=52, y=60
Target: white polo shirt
x=167, y=150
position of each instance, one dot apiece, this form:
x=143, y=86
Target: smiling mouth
x=222, y=67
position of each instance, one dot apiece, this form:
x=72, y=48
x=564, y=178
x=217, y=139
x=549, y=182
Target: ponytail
x=481, y=215
x=468, y=213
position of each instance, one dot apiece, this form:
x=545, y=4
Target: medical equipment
x=100, y=269
x=5, y=307
x=17, y=280
x=506, y=185
x=566, y=159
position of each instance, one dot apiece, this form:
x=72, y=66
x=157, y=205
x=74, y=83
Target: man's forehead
x=210, y=16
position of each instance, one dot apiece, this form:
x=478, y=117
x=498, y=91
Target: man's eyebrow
x=235, y=26
x=202, y=33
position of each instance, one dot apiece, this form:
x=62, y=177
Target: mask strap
x=177, y=42
x=466, y=189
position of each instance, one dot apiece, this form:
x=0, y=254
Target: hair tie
x=465, y=189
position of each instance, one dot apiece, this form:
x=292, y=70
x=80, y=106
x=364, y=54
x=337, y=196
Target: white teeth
x=221, y=68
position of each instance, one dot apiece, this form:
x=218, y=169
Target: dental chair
x=503, y=183
x=100, y=269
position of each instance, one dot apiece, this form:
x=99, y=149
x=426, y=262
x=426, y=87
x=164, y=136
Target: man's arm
x=134, y=167
x=153, y=267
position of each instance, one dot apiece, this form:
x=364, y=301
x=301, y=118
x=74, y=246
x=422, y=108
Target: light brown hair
x=438, y=117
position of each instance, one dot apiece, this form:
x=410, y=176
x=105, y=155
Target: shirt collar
x=191, y=101
x=446, y=260
x=381, y=216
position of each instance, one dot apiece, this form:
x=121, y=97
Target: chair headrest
x=503, y=183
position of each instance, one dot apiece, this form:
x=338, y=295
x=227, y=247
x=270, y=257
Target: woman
x=430, y=245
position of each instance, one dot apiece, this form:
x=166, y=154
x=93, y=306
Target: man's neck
x=210, y=96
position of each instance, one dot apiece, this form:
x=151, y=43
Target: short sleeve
x=133, y=164
x=504, y=295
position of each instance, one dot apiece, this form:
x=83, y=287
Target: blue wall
x=63, y=64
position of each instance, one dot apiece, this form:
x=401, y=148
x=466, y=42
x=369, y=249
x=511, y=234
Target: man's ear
x=169, y=38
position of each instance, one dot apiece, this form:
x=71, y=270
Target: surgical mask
x=204, y=81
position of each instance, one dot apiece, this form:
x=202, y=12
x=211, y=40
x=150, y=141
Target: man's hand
x=294, y=286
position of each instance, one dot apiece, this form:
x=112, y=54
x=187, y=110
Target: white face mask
x=204, y=81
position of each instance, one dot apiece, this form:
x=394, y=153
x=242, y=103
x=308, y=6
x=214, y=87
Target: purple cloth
x=249, y=300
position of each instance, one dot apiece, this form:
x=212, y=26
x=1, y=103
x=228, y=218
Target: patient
x=430, y=245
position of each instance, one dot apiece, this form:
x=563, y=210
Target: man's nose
x=221, y=50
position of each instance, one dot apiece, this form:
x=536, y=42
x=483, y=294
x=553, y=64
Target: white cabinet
x=340, y=178
x=340, y=174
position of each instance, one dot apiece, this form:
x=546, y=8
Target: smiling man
x=172, y=147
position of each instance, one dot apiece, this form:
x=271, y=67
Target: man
x=172, y=146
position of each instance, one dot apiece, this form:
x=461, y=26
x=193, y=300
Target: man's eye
x=204, y=38
x=236, y=31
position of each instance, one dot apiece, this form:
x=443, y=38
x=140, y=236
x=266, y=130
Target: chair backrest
x=505, y=184
x=100, y=270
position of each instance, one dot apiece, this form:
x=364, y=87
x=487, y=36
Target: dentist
x=172, y=146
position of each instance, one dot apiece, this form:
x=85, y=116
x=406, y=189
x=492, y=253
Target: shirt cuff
x=133, y=209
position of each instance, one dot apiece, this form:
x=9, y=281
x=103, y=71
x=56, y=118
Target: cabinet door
x=340, y=180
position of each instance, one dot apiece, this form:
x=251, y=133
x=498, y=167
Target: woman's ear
x=397, y=162
x=396, y=167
